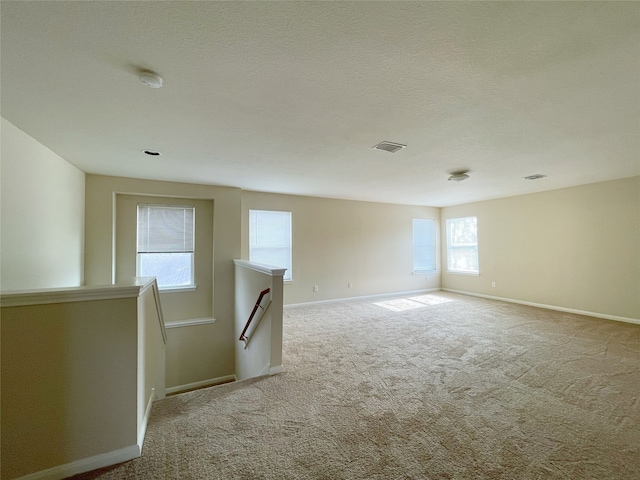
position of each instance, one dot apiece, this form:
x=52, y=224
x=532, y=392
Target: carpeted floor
x=441, y=386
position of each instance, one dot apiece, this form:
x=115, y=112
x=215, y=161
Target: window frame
x=191, y=286
x=449, y=224
x=432, y=244
x=288, y=275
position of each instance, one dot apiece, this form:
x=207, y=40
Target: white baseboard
x=267, y=370
x=203, y=383
x=85, y=465
x=275, y=370
x=362, y=297
x=145, y=420
x=549, y=307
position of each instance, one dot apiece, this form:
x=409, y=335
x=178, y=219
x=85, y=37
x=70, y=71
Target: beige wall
x=575, y=248
x=337, y=242
x=42, y=212
x=262, y=353
x=215, y=353
x=62, y=383
x=190, y=359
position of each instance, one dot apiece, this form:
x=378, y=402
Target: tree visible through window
x=424, y=245
x=462, y=245
x=166, y=244
x=270, y=239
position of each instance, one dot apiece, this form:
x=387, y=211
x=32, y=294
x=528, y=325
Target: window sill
x=187, y=288
x=458, y=272
x=190, y=323
x=424, y=272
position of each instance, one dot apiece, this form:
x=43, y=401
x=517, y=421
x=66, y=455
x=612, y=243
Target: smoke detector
x=458, y=176
x=390, y=147
x=150, y=79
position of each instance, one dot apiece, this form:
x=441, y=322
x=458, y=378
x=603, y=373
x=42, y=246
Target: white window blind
x=424, y=245
x=166, y=244
x=270, y=239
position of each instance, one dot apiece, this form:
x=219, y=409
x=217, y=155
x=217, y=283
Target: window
x=424, y=245
x=166, y=244
x=462, y=245
x=270, y=239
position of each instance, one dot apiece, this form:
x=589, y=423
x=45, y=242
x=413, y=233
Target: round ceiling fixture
x=150, y=79
x=458, y=176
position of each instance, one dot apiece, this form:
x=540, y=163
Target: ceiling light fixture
x=534, y=177
x=150, y=79
x=458, y=176
x=390, y=147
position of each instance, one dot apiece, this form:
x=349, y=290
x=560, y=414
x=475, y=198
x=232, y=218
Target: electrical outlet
x=316, y=288
x=493, y=284
x=349, y=285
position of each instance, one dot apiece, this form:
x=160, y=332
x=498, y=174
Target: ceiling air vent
x=389, y=147
x=534, y=177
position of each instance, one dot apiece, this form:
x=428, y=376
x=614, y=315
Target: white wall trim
x=549, y=307
x=462, y=272
x=142, y=431
x=259, y=267
x=204, y=383
x=85, y=465
x=190, y=322
x=128, y=289
x=379, y=295
x=189, y=288
x=275, y=370
x=269, y=370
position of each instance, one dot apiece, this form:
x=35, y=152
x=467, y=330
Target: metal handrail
x=253, y=312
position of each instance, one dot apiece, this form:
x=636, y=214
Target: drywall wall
x=575, y=248
x=42, y=229
x=261, y=351
x=340, y=242
x=215, y=346
x=62, y=383
x=191, y=360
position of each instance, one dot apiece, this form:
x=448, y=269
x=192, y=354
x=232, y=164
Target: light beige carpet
x=441, y=386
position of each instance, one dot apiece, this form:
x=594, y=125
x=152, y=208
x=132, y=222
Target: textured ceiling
x=289, y=97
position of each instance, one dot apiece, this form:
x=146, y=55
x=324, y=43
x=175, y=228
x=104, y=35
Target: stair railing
x=243, y=337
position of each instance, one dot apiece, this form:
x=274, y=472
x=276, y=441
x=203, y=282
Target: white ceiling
x=289, y=97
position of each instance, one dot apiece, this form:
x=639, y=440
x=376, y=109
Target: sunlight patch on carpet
x=431, y=299
x=403, y=304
